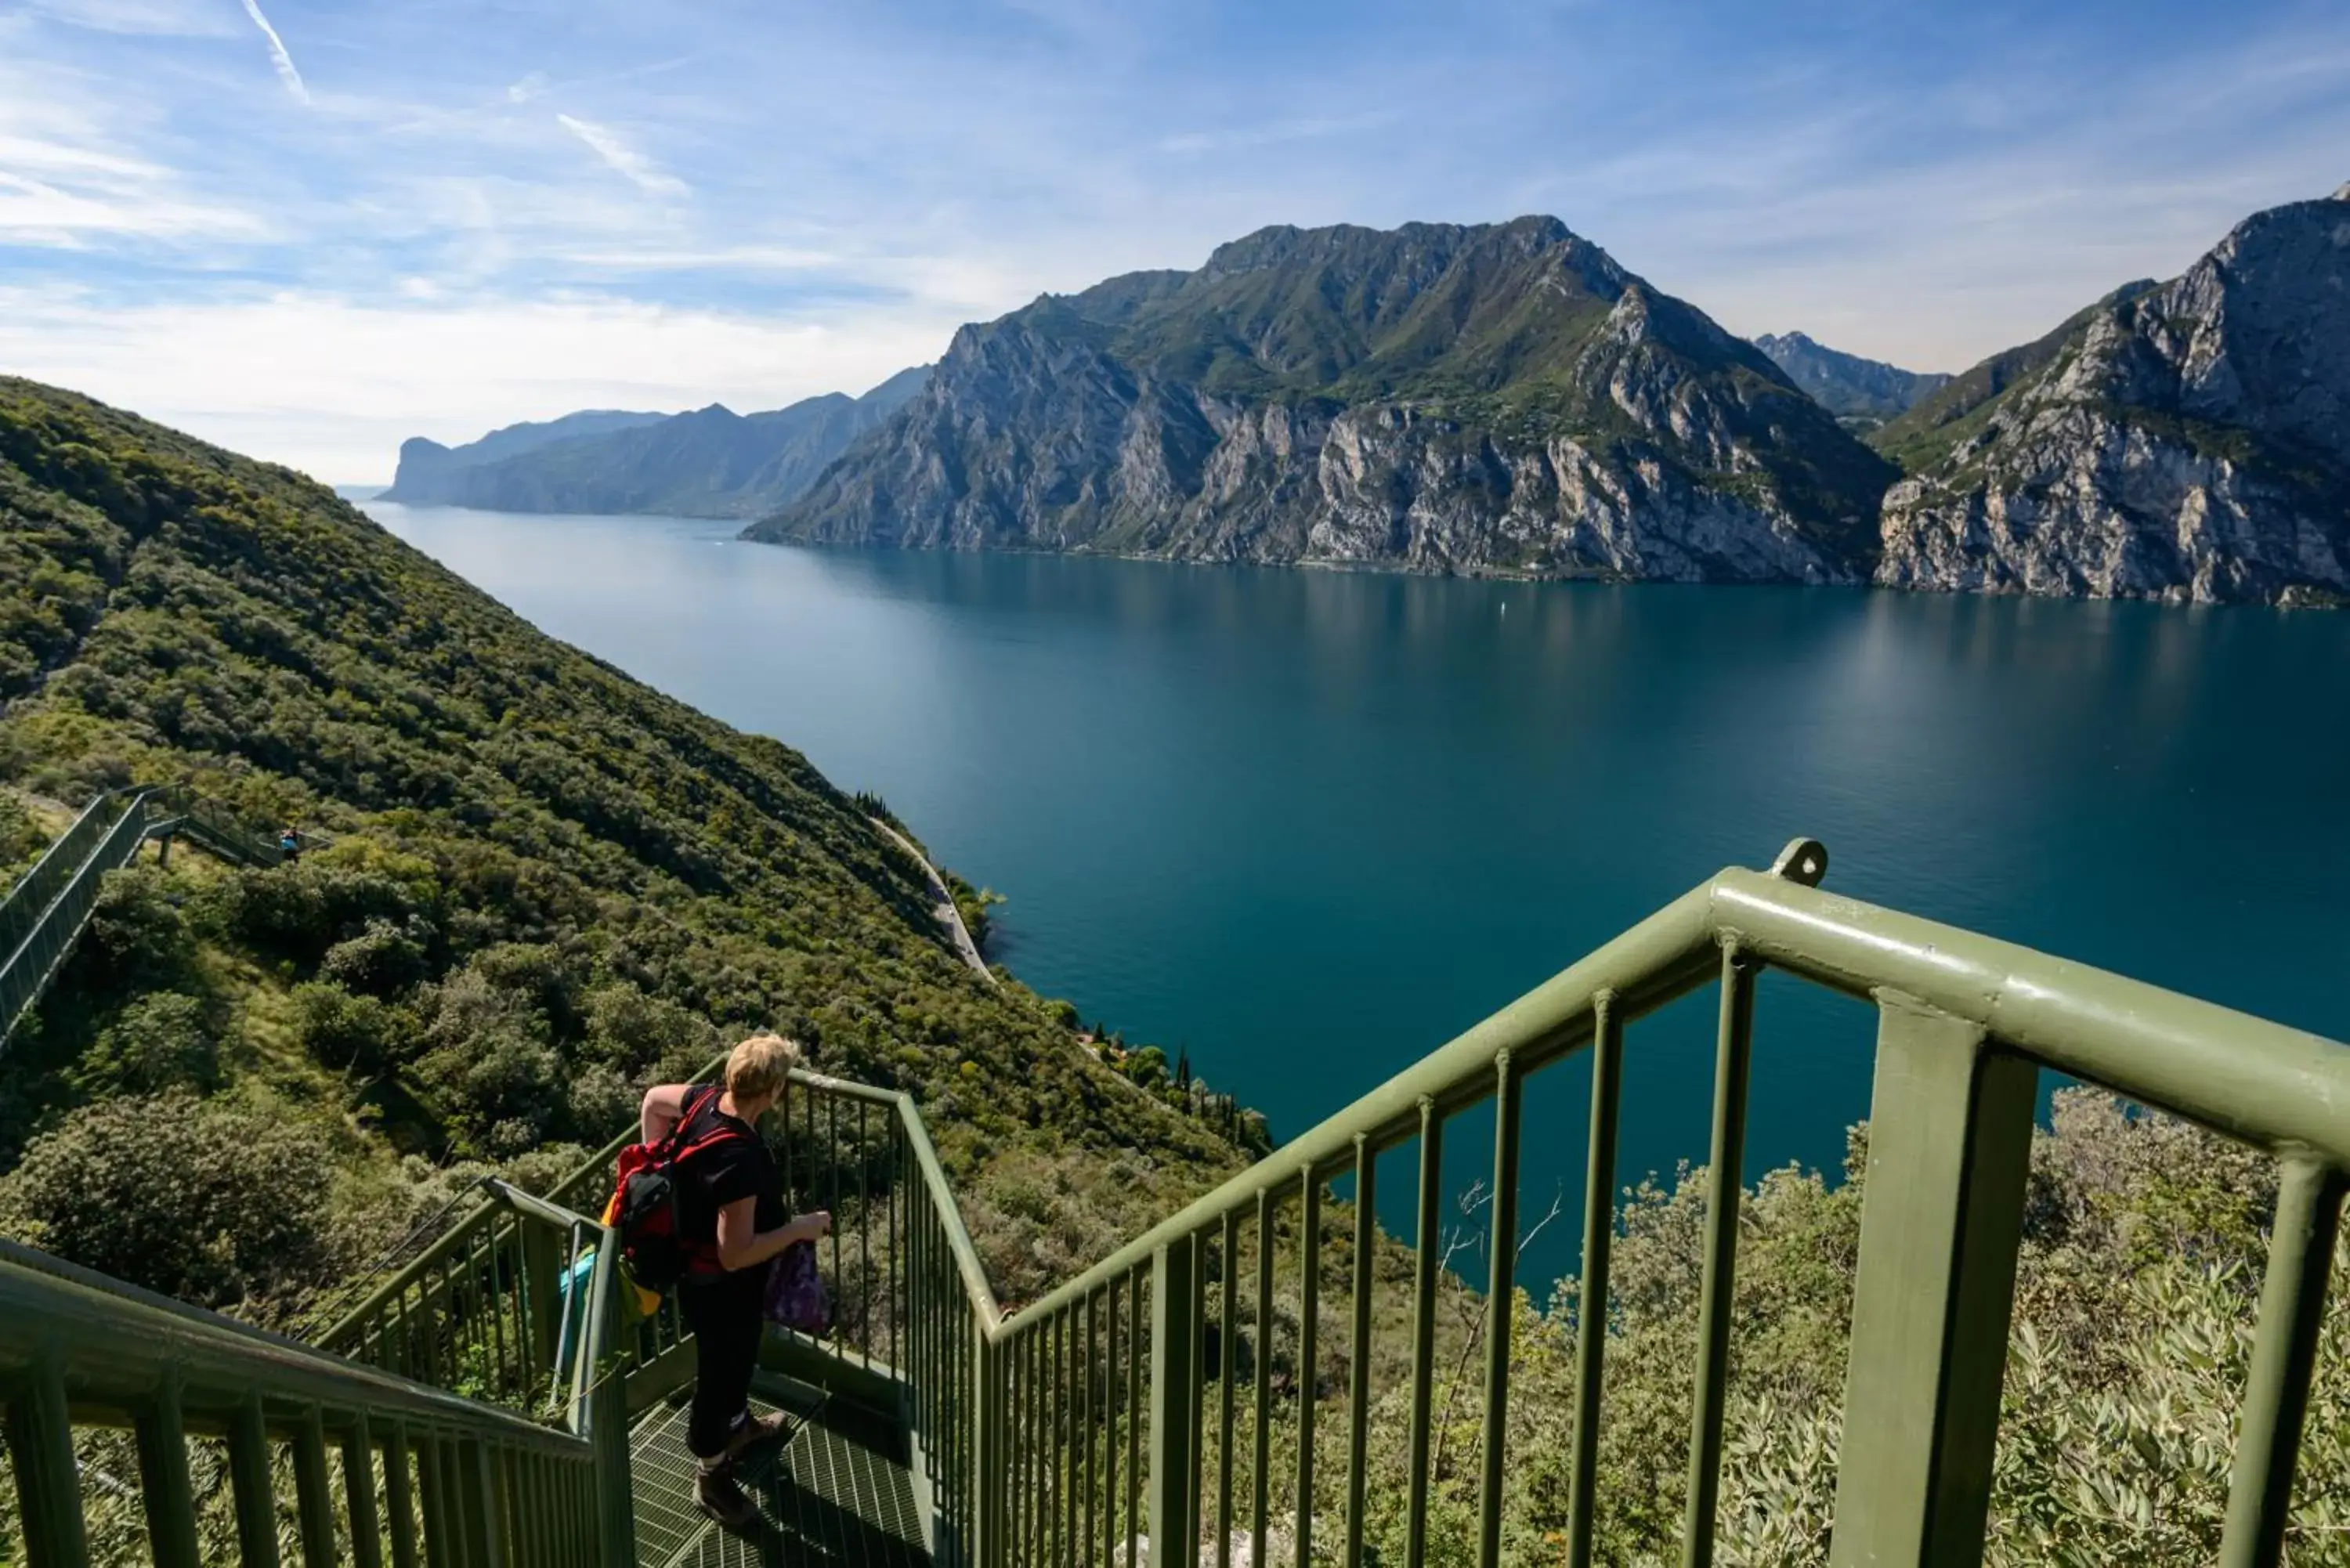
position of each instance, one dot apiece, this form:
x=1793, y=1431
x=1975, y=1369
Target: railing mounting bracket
x=1804, y=860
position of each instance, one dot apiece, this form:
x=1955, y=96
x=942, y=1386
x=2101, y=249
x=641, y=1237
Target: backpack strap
x=707, y=1100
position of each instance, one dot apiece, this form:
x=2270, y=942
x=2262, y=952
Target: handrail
x=1030, y=1426
x=1035, y=1434
x=81, y=1353
x=1966, y=1023
x=33, y=892
x=44, y=913
x=116, y=1342
x=2195, y=1058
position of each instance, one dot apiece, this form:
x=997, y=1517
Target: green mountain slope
x=1924, y=434
x=1495, y=398
x=547, y=883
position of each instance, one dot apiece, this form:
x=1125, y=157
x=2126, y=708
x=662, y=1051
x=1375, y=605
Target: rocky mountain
x=711, y=462
x=426, y=465
x=2188, y=440
x=1861, y=394
x=1494, y=399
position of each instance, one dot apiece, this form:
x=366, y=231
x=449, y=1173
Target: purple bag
x=796, y=1298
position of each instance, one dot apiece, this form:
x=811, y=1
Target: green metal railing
x=1079, y=1427
x=1090, y=1406
x=216, y=828
x=44, y=914
x=382, y=1468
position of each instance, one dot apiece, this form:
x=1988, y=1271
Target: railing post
x=991, y=1484
x=1174, y=1378
x=607, y=1410
x=2284, y=1357
x=253, y=1485
x=1950, y=1145
x=359, y=1492
x=163, y=1482
x=542, y=1267
x=49, y=1486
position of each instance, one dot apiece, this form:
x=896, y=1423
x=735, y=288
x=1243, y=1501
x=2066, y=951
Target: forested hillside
x=546, y=885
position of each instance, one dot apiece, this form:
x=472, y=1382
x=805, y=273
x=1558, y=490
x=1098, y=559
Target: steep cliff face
x=1501, y=398
x=710, y=463
x=2182, y=440
x=1861, y=394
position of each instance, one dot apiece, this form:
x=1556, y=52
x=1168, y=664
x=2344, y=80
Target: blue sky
x=307, y=229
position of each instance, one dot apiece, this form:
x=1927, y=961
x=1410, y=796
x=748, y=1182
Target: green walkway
x=838, y=1493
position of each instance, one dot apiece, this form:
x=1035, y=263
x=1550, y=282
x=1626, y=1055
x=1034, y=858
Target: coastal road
x=949, y=915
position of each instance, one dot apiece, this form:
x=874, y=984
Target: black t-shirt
x=727, y=1171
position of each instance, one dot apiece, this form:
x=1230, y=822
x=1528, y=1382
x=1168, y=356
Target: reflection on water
x=1310, y=824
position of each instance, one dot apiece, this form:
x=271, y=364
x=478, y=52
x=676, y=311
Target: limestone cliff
x=1494, y=399
x=2186, y=441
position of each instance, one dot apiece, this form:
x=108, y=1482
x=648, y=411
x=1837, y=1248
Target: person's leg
x=727, y=1326
x=726, y=1332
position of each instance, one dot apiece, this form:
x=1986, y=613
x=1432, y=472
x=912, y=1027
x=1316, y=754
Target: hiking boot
x=755, y=1430
x=716, y=1493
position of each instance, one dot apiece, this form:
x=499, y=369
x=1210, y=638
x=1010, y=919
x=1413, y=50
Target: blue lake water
x=1309, y=824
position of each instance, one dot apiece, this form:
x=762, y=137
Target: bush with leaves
x=163, y=1040
x=22, y=839
x=383, y=959
x=211, y=1201
x=137, y=939
x=361, y=1034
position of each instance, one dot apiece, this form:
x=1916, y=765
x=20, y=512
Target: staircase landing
x=838, y=1493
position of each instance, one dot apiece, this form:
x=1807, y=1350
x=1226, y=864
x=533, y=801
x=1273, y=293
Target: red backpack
x=645, y=1207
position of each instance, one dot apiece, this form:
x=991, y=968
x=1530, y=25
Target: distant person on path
x=731, y=1215
x=289, y=845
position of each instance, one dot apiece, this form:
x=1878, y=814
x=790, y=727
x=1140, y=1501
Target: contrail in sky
x=278, y=55
x=624, y=160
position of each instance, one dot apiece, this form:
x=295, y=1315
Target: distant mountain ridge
x=1861, y=394
x=2188, y=440
x=1498, y=399
x=710, y=461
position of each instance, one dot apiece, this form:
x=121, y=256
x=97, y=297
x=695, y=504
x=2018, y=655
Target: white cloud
x=164, y=18
x=332, y=386
x=528, y=88
x=70, y=173
x=1244, y=137
x=35, y=211
x=278, y=55
x=624, y=161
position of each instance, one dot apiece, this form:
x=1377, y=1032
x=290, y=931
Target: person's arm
x=664, y=1103
x=741, y=1245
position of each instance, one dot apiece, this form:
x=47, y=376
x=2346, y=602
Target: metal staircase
x=50, y=906
x=495, y=1402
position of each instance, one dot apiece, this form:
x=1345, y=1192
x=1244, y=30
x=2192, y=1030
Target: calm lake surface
x=1310, y=825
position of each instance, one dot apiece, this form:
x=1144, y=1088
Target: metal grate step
x=839, y=1494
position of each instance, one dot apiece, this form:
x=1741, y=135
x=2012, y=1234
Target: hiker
x=731, y=1215
x=289, y=846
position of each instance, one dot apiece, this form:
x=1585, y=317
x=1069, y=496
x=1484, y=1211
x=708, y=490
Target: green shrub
x=205, y=1200
x=22, y=839
x=137, y=939
x=631, y=1031
x=300, y=911
x=362, y=1033
x=383, y=959
x=161, y=1041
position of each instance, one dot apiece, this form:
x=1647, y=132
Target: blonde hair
x=756, y=1068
